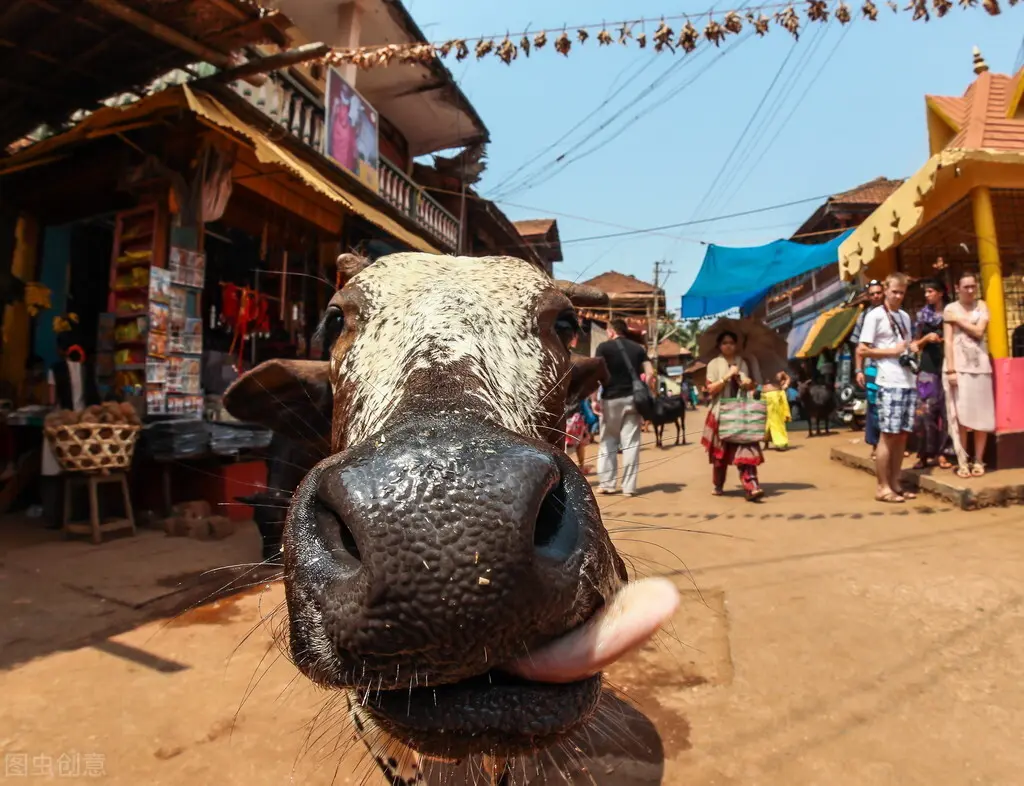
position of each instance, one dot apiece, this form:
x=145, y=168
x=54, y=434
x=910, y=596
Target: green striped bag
x=742, y=420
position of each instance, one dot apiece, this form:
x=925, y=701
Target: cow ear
x=586, y=375
x=291, y=397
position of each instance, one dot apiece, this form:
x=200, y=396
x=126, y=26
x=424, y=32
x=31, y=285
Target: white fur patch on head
x=427, y=312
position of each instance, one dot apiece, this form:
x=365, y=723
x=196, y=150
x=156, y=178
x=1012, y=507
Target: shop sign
x=351, y=131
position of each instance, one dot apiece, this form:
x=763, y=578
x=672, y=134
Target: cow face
x=446, y=534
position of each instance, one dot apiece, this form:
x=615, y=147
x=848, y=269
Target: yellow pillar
x=991, y=271
x=16, y=319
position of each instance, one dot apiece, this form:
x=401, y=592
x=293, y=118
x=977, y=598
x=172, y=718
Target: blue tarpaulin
x=739, y=277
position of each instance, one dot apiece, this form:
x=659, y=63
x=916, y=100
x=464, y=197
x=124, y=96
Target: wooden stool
x=94, y=525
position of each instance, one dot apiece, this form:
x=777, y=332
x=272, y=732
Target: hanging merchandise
x=712, y=26
x=247, y=313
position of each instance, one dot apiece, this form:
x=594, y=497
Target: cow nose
x=441, y=547
x=510, y=498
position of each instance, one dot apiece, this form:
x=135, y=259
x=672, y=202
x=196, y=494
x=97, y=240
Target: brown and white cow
x=447, y=539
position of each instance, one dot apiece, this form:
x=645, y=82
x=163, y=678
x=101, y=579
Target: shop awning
x=797, y=336
x=268, y=152
x=902, y=212
x=739, y=277
x=816, y=326
x=833, y=328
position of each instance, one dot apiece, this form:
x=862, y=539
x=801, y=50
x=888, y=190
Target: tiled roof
x=874, y=192
x=669, y=348
x=534, y=226
x=988, y=114
x=614, y=282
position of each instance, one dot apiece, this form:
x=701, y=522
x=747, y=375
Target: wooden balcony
x=404, y=194
x=301, y=114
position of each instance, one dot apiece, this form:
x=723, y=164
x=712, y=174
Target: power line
x=497, y=189
x=702, y=203
x=628, y=124
x=651, y=87
x=817, y=75
x=736, y=178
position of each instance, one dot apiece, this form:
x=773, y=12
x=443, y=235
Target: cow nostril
x=557, y=530
x=337, y=537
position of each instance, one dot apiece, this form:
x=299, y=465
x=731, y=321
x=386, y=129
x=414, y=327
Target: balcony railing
x=301, y=114
x=403, y=193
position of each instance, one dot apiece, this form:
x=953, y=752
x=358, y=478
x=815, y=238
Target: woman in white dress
x=967, y=379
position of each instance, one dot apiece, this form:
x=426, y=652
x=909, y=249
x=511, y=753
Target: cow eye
x=566, y=326
x=331, y=326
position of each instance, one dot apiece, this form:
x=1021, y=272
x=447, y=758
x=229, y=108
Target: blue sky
x=848, y=106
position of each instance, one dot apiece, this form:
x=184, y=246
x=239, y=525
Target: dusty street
x=823, y=639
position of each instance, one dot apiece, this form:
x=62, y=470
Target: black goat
x=669, y=409
x=818, y=402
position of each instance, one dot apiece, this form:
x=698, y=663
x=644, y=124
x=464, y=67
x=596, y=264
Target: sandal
x=921, y=464
x=891, y=498
x=978, y=469
x=944, y=463
x=717, y=492
x=963, y=471
x=907, y=494
x=755, y=495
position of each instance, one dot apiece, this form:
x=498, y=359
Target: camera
x=909, y=361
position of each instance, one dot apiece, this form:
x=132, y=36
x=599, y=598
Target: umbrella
x=764, y=350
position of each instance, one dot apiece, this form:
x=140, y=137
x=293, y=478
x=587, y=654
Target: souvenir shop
x=165, y=312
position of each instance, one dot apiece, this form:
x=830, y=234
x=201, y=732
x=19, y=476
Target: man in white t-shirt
x=887, y=336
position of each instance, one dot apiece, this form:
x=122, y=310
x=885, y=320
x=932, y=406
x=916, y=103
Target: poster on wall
x=351, y=130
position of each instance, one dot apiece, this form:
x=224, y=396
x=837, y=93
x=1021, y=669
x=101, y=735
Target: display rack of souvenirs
x=186, y=272
x=153, y=311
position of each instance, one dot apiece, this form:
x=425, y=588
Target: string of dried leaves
x=663, y=37
x=790, y=21
x=563, y=44
x=716, y=31
x=688, y=37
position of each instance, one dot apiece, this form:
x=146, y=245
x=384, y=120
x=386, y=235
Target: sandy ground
x=823, y=639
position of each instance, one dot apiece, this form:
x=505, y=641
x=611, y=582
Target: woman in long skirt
x=727, y=374
x=930, y=417
x=968, y=375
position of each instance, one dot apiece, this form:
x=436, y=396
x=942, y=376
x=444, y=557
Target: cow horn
x=350, y=265
x=581, y=294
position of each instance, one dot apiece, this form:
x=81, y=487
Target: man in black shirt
x=620, y=422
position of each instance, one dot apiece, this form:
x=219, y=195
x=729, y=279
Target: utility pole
x=653, y=325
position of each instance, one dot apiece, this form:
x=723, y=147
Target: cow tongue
x=634, y=615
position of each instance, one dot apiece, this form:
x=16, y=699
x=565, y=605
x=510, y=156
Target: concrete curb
x=947, y=486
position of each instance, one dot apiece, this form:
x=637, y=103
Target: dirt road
x=824, y=639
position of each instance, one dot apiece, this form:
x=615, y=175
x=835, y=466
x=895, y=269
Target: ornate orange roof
x=990, y=113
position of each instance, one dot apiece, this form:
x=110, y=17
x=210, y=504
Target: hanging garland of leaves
x=792, y=17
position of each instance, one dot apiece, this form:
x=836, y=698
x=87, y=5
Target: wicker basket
x=93, y=447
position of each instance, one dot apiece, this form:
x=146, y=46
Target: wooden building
x=195, y=142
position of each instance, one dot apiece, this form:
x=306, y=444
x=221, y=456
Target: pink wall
x=1008, y=376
